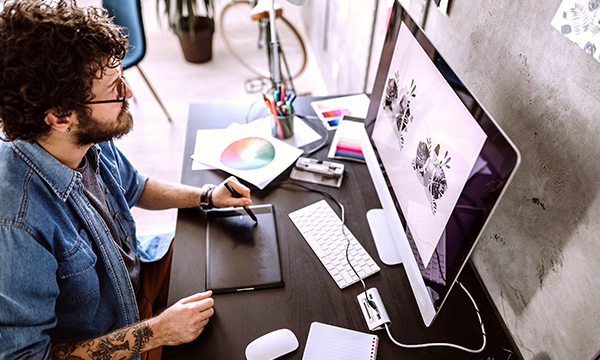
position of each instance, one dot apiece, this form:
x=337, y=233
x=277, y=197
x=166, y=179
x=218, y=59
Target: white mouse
x=272, y=345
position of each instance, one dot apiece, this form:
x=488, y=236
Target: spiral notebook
x=328, y=342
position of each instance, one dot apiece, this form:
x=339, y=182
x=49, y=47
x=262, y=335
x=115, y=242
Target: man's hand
x=180, y=323
x=184, y=321
x=221, y=197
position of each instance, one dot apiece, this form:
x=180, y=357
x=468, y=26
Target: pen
x=236, y=194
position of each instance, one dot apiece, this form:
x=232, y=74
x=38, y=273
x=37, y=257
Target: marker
x=236, y=194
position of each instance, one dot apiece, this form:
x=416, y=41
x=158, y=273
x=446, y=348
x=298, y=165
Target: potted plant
x=193, y=28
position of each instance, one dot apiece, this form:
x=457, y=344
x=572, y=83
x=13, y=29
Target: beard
x=92, y=131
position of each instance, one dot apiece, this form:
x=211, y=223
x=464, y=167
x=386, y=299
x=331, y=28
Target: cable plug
x=373, y=310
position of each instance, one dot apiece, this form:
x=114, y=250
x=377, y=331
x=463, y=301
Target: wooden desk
x=310, y=294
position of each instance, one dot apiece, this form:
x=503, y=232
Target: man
x=74, y=278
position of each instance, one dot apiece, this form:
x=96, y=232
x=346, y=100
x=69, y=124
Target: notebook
x=328, y=342
x=242, y=254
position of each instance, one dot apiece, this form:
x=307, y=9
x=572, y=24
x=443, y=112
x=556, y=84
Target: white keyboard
x=322, y=229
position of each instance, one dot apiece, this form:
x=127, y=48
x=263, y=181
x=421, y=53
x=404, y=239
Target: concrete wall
x=540, y=254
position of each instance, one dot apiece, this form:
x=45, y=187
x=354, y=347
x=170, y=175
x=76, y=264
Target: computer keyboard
x=322, y=229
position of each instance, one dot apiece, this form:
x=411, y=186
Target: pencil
x=236, y=194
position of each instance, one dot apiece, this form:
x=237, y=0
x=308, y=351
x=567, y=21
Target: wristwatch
x=206, y=197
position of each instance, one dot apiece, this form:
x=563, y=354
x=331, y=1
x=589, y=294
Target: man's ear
x=58, y=123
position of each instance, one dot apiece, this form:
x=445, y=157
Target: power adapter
x=373, y=310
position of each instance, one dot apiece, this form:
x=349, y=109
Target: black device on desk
x=242, y=254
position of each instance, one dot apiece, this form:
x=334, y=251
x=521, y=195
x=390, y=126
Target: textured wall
x=540, y=254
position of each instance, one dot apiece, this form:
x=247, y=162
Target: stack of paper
x=346, y=141
x=330, y=111
x=249, y=151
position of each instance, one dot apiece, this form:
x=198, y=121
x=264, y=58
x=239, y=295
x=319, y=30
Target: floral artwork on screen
x=429, y=167
x=427, y=140
x=397, y=104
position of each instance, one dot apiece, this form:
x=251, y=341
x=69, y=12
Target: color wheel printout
x=247, y=154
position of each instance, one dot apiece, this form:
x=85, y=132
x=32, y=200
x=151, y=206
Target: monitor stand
x=384, y=240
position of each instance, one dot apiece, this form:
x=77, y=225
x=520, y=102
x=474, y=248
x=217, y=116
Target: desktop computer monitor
x=438, y=161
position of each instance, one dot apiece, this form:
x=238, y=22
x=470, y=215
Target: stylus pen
x=236, y=194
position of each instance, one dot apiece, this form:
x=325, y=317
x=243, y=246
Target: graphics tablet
x=242, y=254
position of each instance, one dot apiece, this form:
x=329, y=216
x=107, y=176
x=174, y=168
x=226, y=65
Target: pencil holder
x=282, y=127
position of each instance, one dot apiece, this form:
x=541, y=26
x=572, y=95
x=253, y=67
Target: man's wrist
x=158, y=339
x=206, y=202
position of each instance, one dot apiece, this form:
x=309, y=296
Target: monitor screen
x=438, y=160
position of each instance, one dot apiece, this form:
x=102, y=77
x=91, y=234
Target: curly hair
x=50, y=53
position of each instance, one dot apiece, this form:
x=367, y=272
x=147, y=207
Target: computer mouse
x=272, y=345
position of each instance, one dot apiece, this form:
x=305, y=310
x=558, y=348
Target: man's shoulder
x=15, y=163
x=19, y=184
x=12, y=167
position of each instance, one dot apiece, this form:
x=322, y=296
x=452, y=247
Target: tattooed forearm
x=112, y=346
x=142, y=334
x=106, y=350
x=65, y=351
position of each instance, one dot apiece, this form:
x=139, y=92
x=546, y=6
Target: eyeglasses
x=122, y=94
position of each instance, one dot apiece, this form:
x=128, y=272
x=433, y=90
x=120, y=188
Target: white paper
x=328, y=342
x=443, y=6
x=303, y=134
x=213, y=153
x=579, y=21
x=349, y=133
x=331, y=110
x=204, y=135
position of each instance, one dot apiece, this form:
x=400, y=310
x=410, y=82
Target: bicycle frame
x=275, y=54
x=276, y=57
x=274, y=45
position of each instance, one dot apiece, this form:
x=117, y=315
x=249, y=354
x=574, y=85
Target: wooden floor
x=155, y=146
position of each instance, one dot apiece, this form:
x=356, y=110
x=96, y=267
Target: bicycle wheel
x=245, y=40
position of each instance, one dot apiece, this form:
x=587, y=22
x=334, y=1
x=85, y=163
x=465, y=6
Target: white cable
x=387, y=328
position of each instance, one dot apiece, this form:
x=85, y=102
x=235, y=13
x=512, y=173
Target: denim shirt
x=62, y=277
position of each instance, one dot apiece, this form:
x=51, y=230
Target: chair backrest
x=128, y=13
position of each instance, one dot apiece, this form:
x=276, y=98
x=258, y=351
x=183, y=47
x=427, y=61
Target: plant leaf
x=582, y=19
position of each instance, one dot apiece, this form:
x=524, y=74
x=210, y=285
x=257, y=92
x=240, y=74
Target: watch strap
x=206, y=197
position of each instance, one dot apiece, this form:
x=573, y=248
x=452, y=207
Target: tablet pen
x=236, y=194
